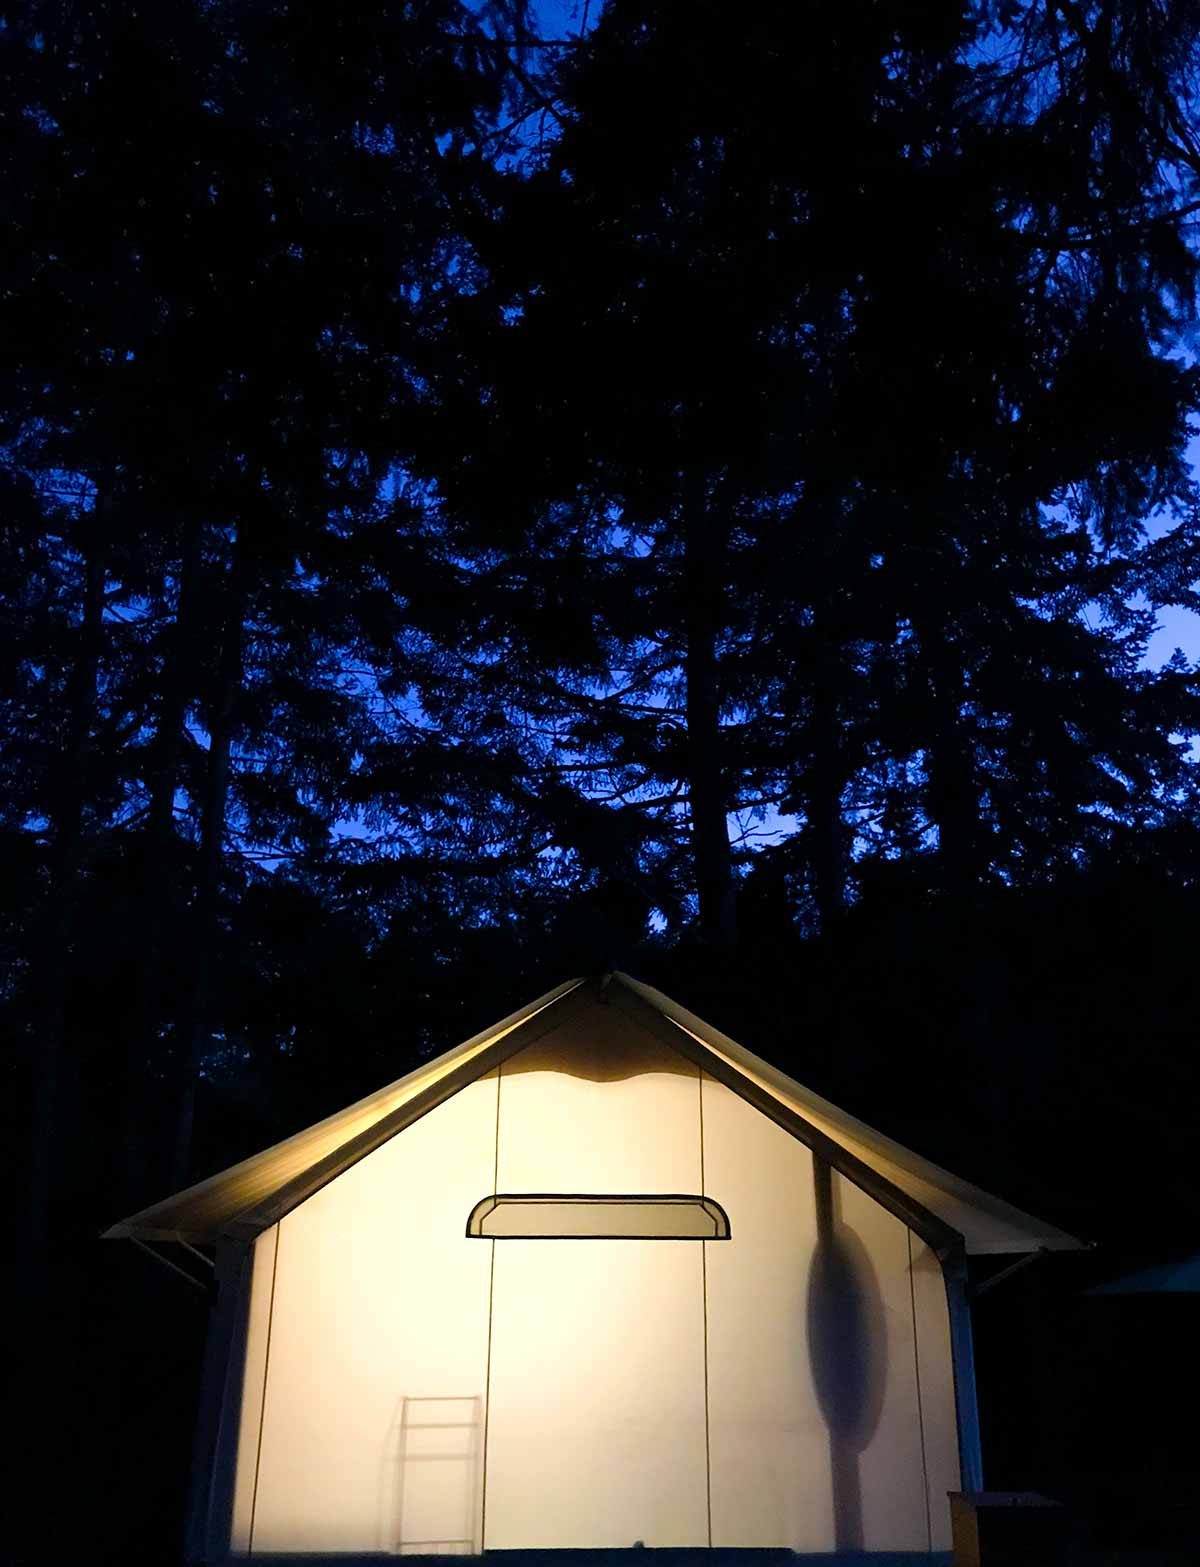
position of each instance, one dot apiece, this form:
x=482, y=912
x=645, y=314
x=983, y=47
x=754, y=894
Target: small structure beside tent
x=1168, y=1278
x=596, y=1277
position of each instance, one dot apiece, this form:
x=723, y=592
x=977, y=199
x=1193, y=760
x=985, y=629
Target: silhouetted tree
x=838, y=403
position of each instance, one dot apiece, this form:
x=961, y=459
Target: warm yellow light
x=412, y=1389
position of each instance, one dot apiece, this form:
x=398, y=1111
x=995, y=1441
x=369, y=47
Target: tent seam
x=487, y=1375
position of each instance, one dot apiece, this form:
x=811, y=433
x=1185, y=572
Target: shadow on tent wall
x=432, y=1476
x=847, y=1346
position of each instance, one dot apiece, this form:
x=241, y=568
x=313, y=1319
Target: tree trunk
x=953, y=791
x=196, y=1024
x=828, y=848
x=64, y=865
x=49, y=1286
x=708, y=792
x=176, y=689
x=159, y=901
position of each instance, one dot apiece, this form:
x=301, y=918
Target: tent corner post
x=962, y=1353
x=209, y=1530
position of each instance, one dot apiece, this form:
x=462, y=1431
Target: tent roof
x=208, y=1209
x=249, y=1197
x=987, y=1223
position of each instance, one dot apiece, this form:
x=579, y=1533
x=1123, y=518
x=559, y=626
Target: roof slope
x=256, y=1193
x=206, y=1210
x=987, y=1223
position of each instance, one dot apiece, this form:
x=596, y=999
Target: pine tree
x=832, y=399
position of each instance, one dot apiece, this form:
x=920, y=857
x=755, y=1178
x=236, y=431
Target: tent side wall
x=376, y=1351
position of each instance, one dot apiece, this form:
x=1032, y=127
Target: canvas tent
x=597, y=1277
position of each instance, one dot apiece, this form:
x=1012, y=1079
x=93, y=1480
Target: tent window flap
x=549, y=1216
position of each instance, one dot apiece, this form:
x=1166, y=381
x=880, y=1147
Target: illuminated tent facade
x=597, y=1277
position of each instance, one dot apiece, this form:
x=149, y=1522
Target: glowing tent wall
x=790, y=1386
x=374, y=1299
x=831, y=1399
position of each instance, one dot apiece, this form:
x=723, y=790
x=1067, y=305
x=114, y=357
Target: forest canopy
x=490, y=495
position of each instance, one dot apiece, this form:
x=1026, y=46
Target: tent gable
x=605, y=1031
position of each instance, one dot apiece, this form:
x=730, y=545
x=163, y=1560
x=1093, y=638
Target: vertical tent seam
x=487, y=1376
x=912, y=1295
x=262, y=1408
x=704, y=1300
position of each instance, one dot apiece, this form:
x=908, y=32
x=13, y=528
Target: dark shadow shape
x=605, y=1048
x=429, y=1414
x=847, y=1346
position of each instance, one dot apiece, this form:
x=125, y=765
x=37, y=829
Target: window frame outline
x=488, y=1204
